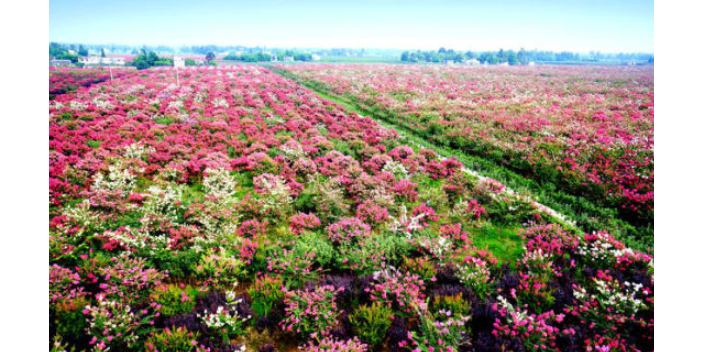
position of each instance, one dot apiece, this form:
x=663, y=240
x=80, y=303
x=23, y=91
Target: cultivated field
x=236, y=210
x=581, y=137
x=64, y=80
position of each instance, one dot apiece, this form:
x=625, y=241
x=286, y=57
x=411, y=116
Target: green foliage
x=146, y=60
x=176, y=340
x=371, y=322
x=220, y=269
x=70, y=321
x=455, y=304
x=164, y=120
x=180, y=264
x=313, y=242
x=265, y=293
x=422, y=267
x=93, y=143
x=175, y=300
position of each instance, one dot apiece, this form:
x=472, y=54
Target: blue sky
x=607, y=26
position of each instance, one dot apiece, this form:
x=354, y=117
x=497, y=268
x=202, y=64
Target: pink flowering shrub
x=372, y=214
x=329, y=344
x=129, y=280
x=537, y=332
x=115, y=325
x=405, y=190
x=348, y=231
x=311, y=313
x=64, y=285
x=401, y=291
x=291, y=266
x=303, y=222
x=428, y=214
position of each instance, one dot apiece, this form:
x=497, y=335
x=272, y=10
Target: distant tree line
x=67, y=52
x=262, y=56
x=520, y=57
x=150, y=59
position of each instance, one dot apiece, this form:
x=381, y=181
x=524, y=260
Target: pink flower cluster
x=303, y=222
x=348, y=231
x=329, y=344
x=311, y=313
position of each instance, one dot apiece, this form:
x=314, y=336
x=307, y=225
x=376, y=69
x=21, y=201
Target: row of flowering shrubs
x=588, y=131
x=64, y=80
x=235, y=210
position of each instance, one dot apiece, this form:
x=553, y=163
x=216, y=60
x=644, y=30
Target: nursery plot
x=585, y=132
x=64, y=80
x=235, y=210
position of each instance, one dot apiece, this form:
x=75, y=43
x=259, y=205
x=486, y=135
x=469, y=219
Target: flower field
x=64, y=80
x=585, y=131
x=235, y=210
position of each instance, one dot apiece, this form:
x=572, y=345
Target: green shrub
x=316, y=243
x=371, y=322
x=265, y=293
x=176, y=340
x=175, y=300
x=70, y=321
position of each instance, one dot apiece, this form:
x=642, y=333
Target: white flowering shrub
x=397, y=169
x=406, y=224
x=219, y=183
x=226, y=319
x=164, y=201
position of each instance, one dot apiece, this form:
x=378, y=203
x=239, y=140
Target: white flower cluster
x=397, y=169
x=142, y=240
x=112, y=318
x=611, y=294
x=405, y=224
x=292, y=154
x=224, y=318
x=277, y=194
x=102, y=103
x=199, y=97
x=515, y=316
x=176, y=104
x=217, y=102
x=220, y=183
x=163, y=201
x=80, y=214
x=118, y=178
x=437, y=245
x=77, y=105
x=56, y=105
x=473, y=272
x=601, y=250
x=137, y=151
x=460, y=208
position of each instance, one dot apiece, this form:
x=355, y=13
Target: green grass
x=503, y=242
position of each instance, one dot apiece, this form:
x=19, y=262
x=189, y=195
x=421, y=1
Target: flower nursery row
x=585, y=130
x=64, y=80
x=234, y=210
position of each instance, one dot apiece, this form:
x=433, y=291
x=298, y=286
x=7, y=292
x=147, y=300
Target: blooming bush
x=112, y=324
x=330, y=344
x=302, y=222
x=169, y=340
x=311, y=313
x=401, y=291
x=225, y=319
x=348, y=231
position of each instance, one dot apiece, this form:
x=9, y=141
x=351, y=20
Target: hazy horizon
x=604, y=26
